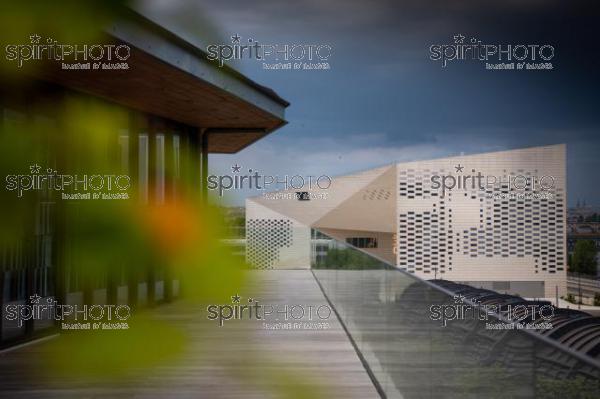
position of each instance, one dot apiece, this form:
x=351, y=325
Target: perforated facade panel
x=265, y=238
x=274, y=241
x=511, y=227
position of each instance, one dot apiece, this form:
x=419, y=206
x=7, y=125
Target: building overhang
x=171, y=78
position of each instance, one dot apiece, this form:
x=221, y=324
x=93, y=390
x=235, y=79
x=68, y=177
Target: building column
x=2, y=277
x=204, y=165
x=135, y=129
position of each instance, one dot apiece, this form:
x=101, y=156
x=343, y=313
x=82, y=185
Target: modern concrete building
x=494, y=220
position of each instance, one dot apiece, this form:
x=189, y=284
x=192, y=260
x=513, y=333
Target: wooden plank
x=239, y=360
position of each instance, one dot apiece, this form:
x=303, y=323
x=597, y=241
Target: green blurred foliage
x=103, y=356
x=181, y=238
x=98, y=239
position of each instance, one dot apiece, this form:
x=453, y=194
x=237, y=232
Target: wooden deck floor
x=240, y=360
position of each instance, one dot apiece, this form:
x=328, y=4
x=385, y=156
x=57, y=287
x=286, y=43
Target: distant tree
x=584, y=257
x=592, y=218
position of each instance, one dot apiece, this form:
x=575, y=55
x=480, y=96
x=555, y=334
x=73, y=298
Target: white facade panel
x=511, y=227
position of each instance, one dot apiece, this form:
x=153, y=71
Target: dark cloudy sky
x=384, y=100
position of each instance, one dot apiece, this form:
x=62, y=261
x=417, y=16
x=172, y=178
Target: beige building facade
x=494, y=220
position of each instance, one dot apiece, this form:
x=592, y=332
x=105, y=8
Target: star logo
x=459, y=168
x=235, y=38
x=459, y=298
x=35, y=169
x=35, y=39
x=235, y=168
x=459, y=39
x=236, y=298
x=35, y=298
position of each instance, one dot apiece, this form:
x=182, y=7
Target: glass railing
x=390, y=316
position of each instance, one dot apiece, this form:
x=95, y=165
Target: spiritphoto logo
x=274, y=316
x=50, y=309
x=254, y=180
x=286, y=56
x=496, y=56
x=83, y=186
x=72, y=56
x=529, y=186
x=537, y=314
